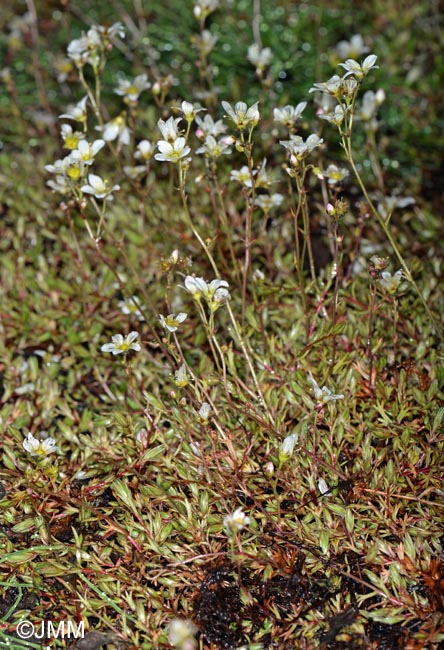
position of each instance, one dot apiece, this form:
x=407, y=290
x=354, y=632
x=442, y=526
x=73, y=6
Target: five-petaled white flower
x=99, y=187
x=131, y=89
x=335, y=117
x=189, y=111
x=324, y=394
x=144, y=151
x=333, y=86
x=241, y=115
x=122, y=345
x=352, y=48
x=78, y=112
x=268, y=201
x=172, y=152
x=85, y=151
x=389, y=282
x=171, y=322
x=170, y=129
x=213, y=148
x=116, y=129
x=39, y=448
x=207, y=126
x=335, y=174
x=300, y=148
x=236, y=521
x=243, y=176
x=260, y=57
x=289, y=115
x=360, y=70
x=131, y=307
x=71, y=138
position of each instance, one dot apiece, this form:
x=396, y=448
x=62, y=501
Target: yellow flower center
x=74, y=173
x=72, y=141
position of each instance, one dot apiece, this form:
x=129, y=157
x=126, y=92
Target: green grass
x=124, y=527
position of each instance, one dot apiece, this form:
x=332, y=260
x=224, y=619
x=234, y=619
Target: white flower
x=204, y=412
x=335, y=174
x=203, y=8
x=333, y=86
x=207, y=126
x=324, y=394
x=205, y=41
x=99, y=187
x=121, y=345
x=323, y=488
x=360, y=70
x=196, y=286
x=336, y=117
x=219, y=296
x=170, y=130
x=213, y=148
x=77, y=113
x=287, y=446
x=171, y=322
x=39, y=448
x=181, y=377
x=268, y=201
x=259, y=57
x=262, y=176
x=116, y=29
x=298, y=148
x=69, y=167
x=241, y=115
x=90, y=46
x=236, y=521
x=215, y=293
x=86, y=152
x=116, y=129
x=172, y=152
x=389, y=203
x=144, y=151
x=131, y=307
x=131, y=89
x=181, y=634
x=71, y=138
x=389, y=282
x=289, y=115
x=242, y=176
x=189, y=111
x=351, y=49
x=86, y=49
x=134, y=172
x=59, y=184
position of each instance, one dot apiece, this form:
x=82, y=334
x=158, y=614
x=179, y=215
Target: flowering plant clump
x=261, y=237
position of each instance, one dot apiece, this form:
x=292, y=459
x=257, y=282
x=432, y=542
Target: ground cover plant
x=221, y=363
